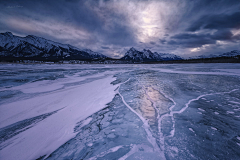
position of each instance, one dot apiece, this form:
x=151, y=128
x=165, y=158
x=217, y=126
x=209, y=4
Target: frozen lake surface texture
x=107, y=112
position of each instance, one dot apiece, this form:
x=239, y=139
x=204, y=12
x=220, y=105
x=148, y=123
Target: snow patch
x=114, y=149
x=214, y=128
x=200, y=109
x=191, y=129
x=230, y=112
x=234, y=102
x=57, y=128
x=86, y=122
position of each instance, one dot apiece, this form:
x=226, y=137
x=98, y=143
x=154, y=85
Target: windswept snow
x=77, y=103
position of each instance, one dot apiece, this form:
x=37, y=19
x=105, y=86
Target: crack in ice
x=160, y=117
x=146, y=127
x=170, y=113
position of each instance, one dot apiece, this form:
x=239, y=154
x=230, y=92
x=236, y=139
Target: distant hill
x=232, y=54
x=228, y=57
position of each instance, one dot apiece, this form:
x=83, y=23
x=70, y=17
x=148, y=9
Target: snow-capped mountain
x=167, y=56
x=233, y=54
x=33, y=46
x=146, y=56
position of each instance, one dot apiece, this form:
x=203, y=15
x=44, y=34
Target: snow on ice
x=54, y=111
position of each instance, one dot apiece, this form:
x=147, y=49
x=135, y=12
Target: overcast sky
x=111, y=27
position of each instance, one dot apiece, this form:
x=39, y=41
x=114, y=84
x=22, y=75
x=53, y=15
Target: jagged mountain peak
x=32, y=36
x=147, y=55
x=7, y=34
x=33, y=46
x=131, y=52
x=147, y=51
x=132, y=49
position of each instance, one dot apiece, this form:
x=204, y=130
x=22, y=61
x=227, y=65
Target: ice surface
x=76, y=103
x=157, y=111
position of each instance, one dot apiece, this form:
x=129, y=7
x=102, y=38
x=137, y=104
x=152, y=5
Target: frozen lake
x=106, y=112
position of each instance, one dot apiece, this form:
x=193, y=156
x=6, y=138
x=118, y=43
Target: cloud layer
x=182, y=27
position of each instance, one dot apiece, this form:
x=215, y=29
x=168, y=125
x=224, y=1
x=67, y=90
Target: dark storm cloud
x=162, y=41
x=105, y=47
x=222, y=35
x=103, y=25
x=192, y=40
x=187, y=36
x=213, y=21
x=119, y=35
x=152, y=43
x=221, y=21
x=236, y=37
x=109, y=26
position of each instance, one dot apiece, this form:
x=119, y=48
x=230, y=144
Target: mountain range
x=148, y=56
x=37, y=48
x=40, y=49
x=233, y=54
x=33, y=47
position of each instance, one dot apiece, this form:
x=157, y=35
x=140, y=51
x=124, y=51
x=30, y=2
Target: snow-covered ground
x=158, y=111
